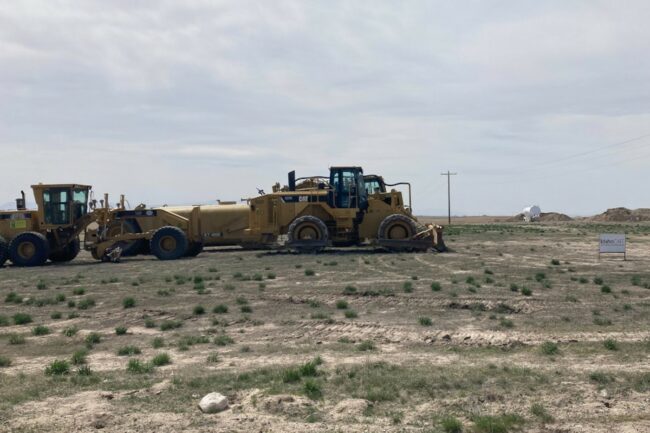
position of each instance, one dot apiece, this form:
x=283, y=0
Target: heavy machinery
x=31, y=237
x=344, y=209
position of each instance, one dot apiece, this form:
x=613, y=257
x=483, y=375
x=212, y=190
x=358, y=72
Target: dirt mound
x=622, y=214
x=543, y=217
x=554, y=216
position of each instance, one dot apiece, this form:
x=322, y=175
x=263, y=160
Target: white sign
x=612, y=243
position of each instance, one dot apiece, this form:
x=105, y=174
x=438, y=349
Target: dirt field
x=520, y=328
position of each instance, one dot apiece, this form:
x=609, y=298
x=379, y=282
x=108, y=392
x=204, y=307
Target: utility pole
x=448, y=174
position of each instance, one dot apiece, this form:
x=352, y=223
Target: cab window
x=56, y=206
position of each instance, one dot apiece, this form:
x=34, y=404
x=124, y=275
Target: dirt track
x=485, y=351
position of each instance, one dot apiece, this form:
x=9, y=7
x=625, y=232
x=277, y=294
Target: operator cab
x=348, y=189
x=61, y=204
x=374, y=184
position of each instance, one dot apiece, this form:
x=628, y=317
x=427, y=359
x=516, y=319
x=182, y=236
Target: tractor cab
x=374, y=184
x=347, y=188
x=61, y=204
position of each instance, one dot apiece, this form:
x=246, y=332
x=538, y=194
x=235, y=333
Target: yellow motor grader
x=31, y=237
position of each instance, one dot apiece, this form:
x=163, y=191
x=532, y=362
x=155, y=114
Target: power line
x=448, y=174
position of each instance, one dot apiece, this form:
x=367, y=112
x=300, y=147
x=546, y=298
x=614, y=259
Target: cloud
x=183, y=102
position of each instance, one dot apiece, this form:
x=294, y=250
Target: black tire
x=29, y=249
x=129, y=248
x=168, y=243
x=194, y=249
x=307, y=234
x=397, y=227
x=4, y=251
x=68, y=253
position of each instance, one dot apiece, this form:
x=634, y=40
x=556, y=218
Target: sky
x=186, y=102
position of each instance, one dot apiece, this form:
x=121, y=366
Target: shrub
x=555, y=262
x=408, y=287
x=549, y=348
x=540, y=276
x=342, y=304
x=506, y=323
x=610, y=344
x=16, y=339
x=4, y=361
x=246, y=309
x=220, y=309
x=313, y=389
x=161, y=359
x=310, y=272
x=270, y=276
x=92, y=339
x=170, y=324
x=71, y=303
x=157, y=342
x=138, y=367
x=291, y=375
x=78, y=291
x=241, y=300
x=57, y=367
x=198, y=310
x=149, y=323
x=223, y=340
x=583, y=280
x=605, y=289
x=349, y=290
x=22, y=319
x=4, y=321
x=526, y=291
x=85, y=304
x=598, y=280
x=60, y=297
x=258, y=277
x=451, y=424
x=366, y=346
x=128, y=302
x=514, y=287
x=540, y=412
x=496, y=424
x=120, y=330
x=13, y=298
x=84, y=370
x=79, y=356
x=310, y=368
x=351, y=314
x=40, y=330
x=425, y=321
x=70, y=331
x=600, y=377
x=436, y=286
x=602, y=321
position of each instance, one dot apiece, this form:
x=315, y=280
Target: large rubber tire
x=397, y=226
x=4, y=251
x=168, y=243
x=129, y=248
x=306, y=229
x=194, y=249
x=68, y=253
x=29, y=249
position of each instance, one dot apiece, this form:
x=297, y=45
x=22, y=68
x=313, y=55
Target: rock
x=100, y=420
x=106, y=395
x=350, y=408
x=213, y=403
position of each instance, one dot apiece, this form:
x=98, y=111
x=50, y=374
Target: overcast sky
x=181, y=102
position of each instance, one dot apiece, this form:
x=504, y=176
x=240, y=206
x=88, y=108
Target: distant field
x=519, y=328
